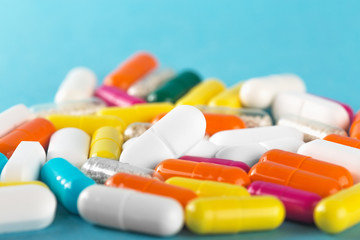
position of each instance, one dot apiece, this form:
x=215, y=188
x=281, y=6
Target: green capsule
x=175, y=88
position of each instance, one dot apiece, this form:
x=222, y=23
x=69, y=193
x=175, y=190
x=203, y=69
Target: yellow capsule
x=234, y=214
x=87, y=123
x=144, y=112
x=338, y=212
x=228, y=97
x=106, y=143
x=6, y=184
x=204, y=188
x=202, y=93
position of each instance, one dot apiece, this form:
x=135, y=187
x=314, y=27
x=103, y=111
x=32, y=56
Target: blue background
x=40, y=41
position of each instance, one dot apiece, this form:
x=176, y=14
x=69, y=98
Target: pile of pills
x=153, y=151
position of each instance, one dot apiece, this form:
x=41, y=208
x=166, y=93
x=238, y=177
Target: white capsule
x=251, y=153
x=345, y=156
x=311, y=107
x=25, y=163
x=204, y=149
x=26, y=207
x=130, y=210
x=254, y=135
x=260, y=92
x=13, y=117
x=78, y=84
x=71, y=144
x=170, y=137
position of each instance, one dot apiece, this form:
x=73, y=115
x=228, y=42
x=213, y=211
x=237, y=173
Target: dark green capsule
x=174, y=89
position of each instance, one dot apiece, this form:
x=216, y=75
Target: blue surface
x=40, y=41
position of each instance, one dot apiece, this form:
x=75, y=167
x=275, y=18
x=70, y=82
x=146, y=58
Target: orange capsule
x=151, y=185
x=305, y=163
x=131, y=71
x=203, y=171
x=348, y=141
x=216, y=122
x=38, y=129
x=292, y=177
x=355, y=127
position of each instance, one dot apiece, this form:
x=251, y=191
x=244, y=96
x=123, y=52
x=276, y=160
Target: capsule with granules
x=205, y=188
x=228, y=97
x=106, y=143
x=312, y=129
x=292, y=177
x=175, y=88
x=348, y=141
x=150, y=83
x=132, y=70
x=136, y=129
x=202, y=93
x=151, y=185
x=100, y=169
x=340, y=174
x=38, y=129
x=220, y=215
x=203, y=171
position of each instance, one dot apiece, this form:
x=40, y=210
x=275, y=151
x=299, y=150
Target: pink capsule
x=219, y=161
x=299, y=204
x=113, y=96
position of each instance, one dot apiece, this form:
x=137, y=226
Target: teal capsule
x=174, y=89
x=65, y=181
x=3, y=161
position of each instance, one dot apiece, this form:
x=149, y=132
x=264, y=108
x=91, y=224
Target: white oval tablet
x=260, y=92
x=254, y=135
x=170, y=137
x=26, y=207
x=13, y=117
x=130, y=210
x=345, y=156
x=78, y=84
x=25, y=163
x=311, y=107
x=71, y=144
x=251, y=153
x=204, y=148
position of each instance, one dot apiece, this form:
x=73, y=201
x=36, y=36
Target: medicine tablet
x=13, y=117
x=124, y=209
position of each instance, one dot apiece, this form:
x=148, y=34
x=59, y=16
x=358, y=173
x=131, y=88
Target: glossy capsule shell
x=130, y=71
x=338, y=212
x=202, y=93
x=151, y=185
x=228, y=97
x=38, y=129
x=87, y=123
x=130, y=210
x=216, y=122
x=348, y=141
x=106, y=142
x=311, y=129
x=3, y=161
x=137, y=113
x=150, y=82
x=13, y=117
x=65, y=181
x=204, y=188
x=298, y=161
x=203, y=171
x=292, y=177
x=220, y=215
x=175, y=88
x=355, y=127
x=219, y=161
x=114, y=96
x=299, y=205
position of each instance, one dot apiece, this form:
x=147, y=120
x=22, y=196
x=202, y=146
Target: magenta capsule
x=299, y=204
x=219, y=161
x=113, y=96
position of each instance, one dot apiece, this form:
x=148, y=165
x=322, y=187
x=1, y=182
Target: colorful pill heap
x=154, y=151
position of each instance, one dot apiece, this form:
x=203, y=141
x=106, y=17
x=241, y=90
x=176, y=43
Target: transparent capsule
x=252, y=117
x=100, y=169
x=147, y=85
x=76, y=107
x=312, y=129
x=136, y=129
